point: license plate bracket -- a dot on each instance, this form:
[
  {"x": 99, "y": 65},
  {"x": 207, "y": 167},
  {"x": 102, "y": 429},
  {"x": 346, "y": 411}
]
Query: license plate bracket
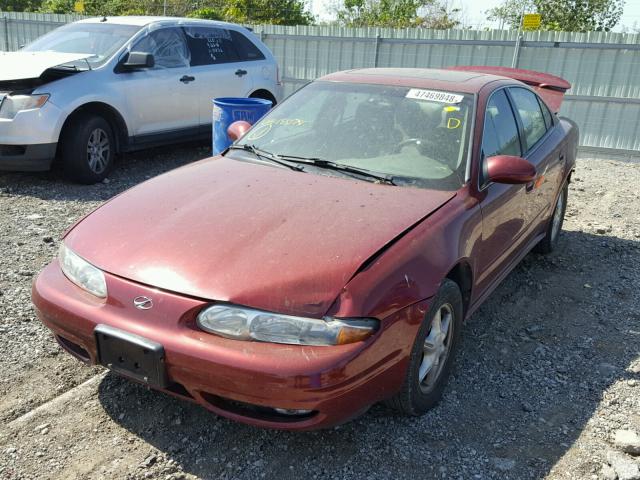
[{"x": 131, "y": 355}]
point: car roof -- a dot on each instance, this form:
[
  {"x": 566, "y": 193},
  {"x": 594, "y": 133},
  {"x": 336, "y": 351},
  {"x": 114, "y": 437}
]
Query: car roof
[
  {"x": 440, "y": 79},
  {"x": 142, "y": 21}
]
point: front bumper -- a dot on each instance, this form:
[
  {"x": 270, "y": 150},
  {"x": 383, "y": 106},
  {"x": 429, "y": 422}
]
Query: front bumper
[
  {"x": 28, "y": 141},
  {"x": 27, "y": 158},
  {"x": 244, "y": 381}
]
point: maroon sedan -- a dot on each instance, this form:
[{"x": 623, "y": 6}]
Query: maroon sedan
[{"x": 327, "y": 260}]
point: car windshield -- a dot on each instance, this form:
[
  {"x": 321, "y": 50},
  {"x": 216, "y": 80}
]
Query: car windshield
[
  {"x": 417, "y": 137},
  {"x": 100, "y": 40}
]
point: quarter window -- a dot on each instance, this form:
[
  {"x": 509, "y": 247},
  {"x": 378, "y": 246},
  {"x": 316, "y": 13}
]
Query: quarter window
[
  {"x": 247, "y": 50},
  {"x": 526, "y": 103},
  {"x": 548, "y": 118},
  {"x": 210, "y": 46}
]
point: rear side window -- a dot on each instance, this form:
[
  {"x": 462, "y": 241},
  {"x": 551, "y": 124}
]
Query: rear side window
[
  {"x": 528, "y": 108},
  {"x": 247, "y": 50},
  {"x": 548, "y": 118},
  {"x": 210, "y": 46}
]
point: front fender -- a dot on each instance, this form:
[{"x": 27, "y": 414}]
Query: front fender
[
  {"x": 71, "y": 93},
  {"x": 412, "y": 269}
]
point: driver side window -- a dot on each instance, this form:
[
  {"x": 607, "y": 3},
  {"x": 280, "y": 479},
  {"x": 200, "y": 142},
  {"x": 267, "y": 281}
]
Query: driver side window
[
  {"x": 168, "y": 47},
  {"x": 500, "y": 136}
]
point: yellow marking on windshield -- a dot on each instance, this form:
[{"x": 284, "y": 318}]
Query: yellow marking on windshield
[
  {"x": 453, "y": 123},
  {"x": 260, "y": 132}
]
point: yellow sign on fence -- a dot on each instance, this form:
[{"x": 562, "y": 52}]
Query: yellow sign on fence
[
  {"x": 531, "y": 21},
  {"x": 78, "y": 6}
]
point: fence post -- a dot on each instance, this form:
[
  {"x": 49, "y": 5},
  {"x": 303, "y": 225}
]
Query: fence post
[
  {"x": 5, "y": 21},
  {"x": 516, "y": 52},
  {"x": 376, "y": 51}
]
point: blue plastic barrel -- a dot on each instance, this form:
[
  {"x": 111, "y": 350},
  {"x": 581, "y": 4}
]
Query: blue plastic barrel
[{"x": 229, "y": 110}]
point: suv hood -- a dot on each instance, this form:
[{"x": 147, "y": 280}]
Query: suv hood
[
  {"x": 250, "y": 234},
  {"x": 29, "y": 65}
]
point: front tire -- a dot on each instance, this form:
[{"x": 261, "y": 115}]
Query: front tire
[
  {"x": 432, "y": 354},
  {"x": 550, "y": 241},
  {"x": 88, "y": 149}
]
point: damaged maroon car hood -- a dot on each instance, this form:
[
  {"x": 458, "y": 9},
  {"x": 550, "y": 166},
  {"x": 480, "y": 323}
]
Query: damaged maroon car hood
[{"x": 255, "y": 235}]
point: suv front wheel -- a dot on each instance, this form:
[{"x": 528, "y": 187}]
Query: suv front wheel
[{"x": 88, "y": 149}]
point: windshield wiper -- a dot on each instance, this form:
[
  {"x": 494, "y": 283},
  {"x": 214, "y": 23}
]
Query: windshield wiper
[
  {"x": 263, "y": 154},
  {"x": 329, "y": 165}
]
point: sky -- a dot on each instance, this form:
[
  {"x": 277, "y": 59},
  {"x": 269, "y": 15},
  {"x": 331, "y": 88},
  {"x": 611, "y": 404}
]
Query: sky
[{"x": 473, "y": 11}]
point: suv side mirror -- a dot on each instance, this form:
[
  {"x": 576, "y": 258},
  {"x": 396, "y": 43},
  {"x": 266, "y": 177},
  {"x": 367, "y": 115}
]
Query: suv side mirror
[
  {"x": 509, "y": 169},
  {"x": 138, "y": 60}
]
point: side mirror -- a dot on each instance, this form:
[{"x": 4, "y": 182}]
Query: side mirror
[
  {"x": 138, "y": 60},
  {"x": 509, "y": 169},
  {"x": 237, "y": 130}
]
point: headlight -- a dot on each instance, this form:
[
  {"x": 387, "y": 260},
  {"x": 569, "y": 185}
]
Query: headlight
[
  {"x": 82, "y": 273},
  {"x": 12, "y": 104},
  {"x": 247, "y": 324}
]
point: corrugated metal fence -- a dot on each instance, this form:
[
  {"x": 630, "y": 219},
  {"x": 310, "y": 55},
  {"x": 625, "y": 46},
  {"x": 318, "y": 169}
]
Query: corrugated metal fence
[
  {"x": 604, "y": 68},
  {"x": 18, "y": 28}
]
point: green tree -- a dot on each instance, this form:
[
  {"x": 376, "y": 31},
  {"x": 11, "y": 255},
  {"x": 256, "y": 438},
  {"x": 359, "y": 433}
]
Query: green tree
[
  {"x": 580, "y": 15},
  {"x": 207, "y": 13},
  {"x": 566, "y": 15},
  {"x": 20, "y": 5},
  {"x": 439, "y": 16},
  {"x": 397, "y": 13},
  {"x": 104, "y": 7},
  {"x": 509, "y": 13},
  {"x": 276, "y": 12}
]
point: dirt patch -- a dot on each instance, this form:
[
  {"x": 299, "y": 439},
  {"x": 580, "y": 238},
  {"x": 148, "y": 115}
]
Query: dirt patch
[{"x": 548, "y": 371}]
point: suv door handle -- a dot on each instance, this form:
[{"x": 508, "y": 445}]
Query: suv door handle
[
  {"x": 241, "y": 72},
  {"x": 187, "y": 79}
]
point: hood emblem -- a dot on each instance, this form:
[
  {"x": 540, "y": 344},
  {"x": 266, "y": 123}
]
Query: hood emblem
[{"x": 142, "y": 303}]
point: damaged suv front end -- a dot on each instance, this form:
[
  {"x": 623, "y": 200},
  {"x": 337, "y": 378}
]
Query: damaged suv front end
[{"x": 27, "y": 140}]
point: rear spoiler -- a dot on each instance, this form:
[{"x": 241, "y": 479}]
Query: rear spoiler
[{"x": 549, "y": 87}]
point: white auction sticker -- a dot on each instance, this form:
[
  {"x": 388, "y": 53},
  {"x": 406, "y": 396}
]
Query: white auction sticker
[{"x": 434, "y": 96}]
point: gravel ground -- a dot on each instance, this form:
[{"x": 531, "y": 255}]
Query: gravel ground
[{"x": 547, "y": 382}]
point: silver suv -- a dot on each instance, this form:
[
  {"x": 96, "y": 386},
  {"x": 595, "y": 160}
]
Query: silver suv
[{"x": 94, "y": 88}]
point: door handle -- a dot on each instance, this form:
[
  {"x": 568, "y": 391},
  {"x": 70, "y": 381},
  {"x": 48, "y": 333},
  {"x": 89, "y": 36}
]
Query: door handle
[
  {"x": 187, "y": 79},
  {"x": 241, "y": 72}
]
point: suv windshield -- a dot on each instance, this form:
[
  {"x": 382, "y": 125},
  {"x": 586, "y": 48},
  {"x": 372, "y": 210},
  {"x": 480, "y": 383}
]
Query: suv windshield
[
  {"x": 100, "y": 40},
  {"x": 417, "y": 137}
]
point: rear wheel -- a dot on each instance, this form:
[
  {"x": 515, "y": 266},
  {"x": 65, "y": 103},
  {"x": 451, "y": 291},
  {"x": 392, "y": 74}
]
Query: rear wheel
[
  {"x": 550, "y": 241},
  {"x": 264, "y": 95},
  {"x": 432, "y": 354},
  {"x": 88, "y": 149}
]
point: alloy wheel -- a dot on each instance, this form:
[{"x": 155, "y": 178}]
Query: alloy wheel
[
  {"x": 98, "y": 150},
  {"x": 557, "y": 217},
  {"x": 436, "y": 348}
]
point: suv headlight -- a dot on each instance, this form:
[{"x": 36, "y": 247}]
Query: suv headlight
[
  {"x": 12, "y": 104},
  {"x": 247, "y": 324},
  {"x": 81, "y": 272}
]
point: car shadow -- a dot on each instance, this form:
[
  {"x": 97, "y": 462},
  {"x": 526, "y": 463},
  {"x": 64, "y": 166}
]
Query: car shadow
[
  {"x": 129, "y": 170},
  {"x": 534, "y": 364}
]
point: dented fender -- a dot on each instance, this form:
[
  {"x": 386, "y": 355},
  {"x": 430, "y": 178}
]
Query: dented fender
[{"x": 412, "y": 269}]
